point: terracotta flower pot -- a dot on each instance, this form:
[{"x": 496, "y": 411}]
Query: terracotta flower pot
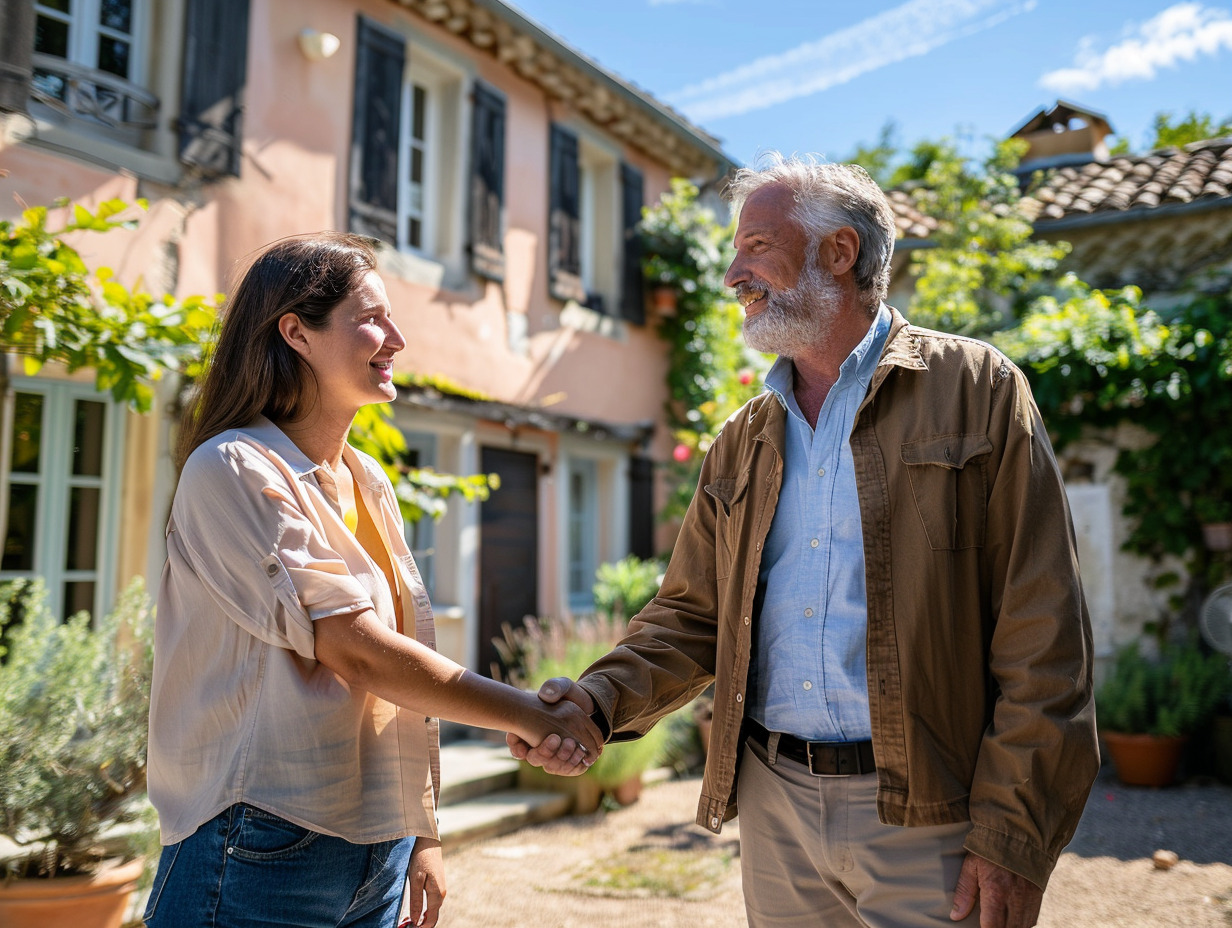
[
  {"x": 629, "y": 791},
  {"x": 95, "y": 901},
  {"x": 1217, "y": 536},
  {"x": 665, "y": 300},
  {"x": 1145, "y": 760}
]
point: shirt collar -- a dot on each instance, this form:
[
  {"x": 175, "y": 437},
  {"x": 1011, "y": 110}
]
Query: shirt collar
[
  {"x": 861, "y": 363},
  {"x": 274, "y": 438}
]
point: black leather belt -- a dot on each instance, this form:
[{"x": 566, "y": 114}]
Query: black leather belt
[{"x": 823, "y": 758}]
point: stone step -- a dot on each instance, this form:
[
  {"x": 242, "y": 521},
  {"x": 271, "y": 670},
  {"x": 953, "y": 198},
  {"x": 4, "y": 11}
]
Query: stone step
[
  {"x": 474, "y": 767},
  {"x": 498, "y": 814}
]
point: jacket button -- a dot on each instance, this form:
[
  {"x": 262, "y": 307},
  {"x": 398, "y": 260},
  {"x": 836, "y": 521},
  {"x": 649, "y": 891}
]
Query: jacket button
[
  {"x": 714, "y": 821},
  {"x": 746, "y": 620},
  {"x": 739, "y": 697},
  {"x": 271, "y": 569}
]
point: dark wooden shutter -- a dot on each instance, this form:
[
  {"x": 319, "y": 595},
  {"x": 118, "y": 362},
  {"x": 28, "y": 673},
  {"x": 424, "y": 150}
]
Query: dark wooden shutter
[
  {"x": 632, "y": 288},
  {"x": 16, "y": 47},
  {"x": 564, "y": 225},
  {"x": 641, "y": 507},
  {"x": 215, "y": 73},
  {"x": 380, "y": 60},
  {"x": 487, "y": 183}
]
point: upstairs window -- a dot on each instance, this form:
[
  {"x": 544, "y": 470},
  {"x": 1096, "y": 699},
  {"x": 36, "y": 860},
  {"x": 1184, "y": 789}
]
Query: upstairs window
[{"x": 88, "y": 61}]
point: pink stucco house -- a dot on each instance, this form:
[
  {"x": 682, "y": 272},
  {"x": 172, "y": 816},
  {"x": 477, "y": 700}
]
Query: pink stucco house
[{"x": 502, "y": 169}]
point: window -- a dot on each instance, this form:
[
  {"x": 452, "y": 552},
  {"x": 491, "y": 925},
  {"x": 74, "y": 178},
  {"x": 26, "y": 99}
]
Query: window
[
  {"x": 407, "y": 185},
  {"x": 88, "y": 62},
  {"x": 583, "y": 533},
  {"x": 60, "y": 492},
  {"x": 594, "y": 255}
]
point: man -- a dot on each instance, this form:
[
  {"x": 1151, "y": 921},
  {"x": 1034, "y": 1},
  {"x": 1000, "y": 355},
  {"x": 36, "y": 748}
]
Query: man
[{"x": 878, "y": 572}]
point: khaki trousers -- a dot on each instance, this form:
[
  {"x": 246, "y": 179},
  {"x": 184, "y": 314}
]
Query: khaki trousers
[{"x": 813, "y": 853}]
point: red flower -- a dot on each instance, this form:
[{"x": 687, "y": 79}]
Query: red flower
[
  {"x": 682, "y": 453},
  {"x": 746, "y": 376}
]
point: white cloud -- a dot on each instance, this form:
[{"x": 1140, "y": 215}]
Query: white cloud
[
  {"x": 1179, "y": 34},
  {"x": 907, "y": 31}
]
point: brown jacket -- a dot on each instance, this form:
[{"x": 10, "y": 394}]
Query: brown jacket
[{"x": 976, "y": 619}]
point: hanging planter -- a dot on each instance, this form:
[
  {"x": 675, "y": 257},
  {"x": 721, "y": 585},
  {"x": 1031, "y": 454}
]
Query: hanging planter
[
  {"x": 664, "y": 299},
  {"x": 1217, "y": 536}
]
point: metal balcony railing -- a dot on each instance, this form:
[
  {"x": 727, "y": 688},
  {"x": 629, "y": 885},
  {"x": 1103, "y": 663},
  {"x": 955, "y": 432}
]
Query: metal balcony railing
[{"x": 87, "y": 93}]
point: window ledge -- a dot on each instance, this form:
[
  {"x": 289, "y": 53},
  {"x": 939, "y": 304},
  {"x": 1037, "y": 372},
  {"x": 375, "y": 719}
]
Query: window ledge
[
  {"x": 576, "y": 316},
  {"x": 100, "y": 152},
  {"x": 427, "y": 272}
]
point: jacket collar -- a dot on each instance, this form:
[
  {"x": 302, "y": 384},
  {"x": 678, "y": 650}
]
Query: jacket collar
[{"x": 902, "y": 347}]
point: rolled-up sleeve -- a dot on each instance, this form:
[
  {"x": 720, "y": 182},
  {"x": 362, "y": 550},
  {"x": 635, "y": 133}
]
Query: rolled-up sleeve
[{"x": 246, "y": 531}]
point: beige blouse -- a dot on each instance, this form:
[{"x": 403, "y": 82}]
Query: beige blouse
[{"x": 240, "y": 710}]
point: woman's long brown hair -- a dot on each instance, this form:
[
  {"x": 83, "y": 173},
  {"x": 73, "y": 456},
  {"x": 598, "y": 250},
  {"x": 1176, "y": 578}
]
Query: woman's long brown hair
[{"x": 252, "y": 370}]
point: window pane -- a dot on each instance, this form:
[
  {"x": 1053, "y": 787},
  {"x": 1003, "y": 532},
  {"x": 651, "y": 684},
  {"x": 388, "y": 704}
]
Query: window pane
[
  {"x": 117, "y": 15},
  {"x": 51, "y": 84},
  {"x": 417, "y": 165},
  {"x": 19, "y": 536},
  {"x": 82, "y": 549},
  {"x": 78, "y": 597},
  {"x": 91, "y": 416},
  {"x": 419, "y": 98},
  {"x": 27, "y": 432},
  {"x": 415, "y": 234},
  {"x": 113, "y": 56},
  {"x": 51, "y": 37},
  {"x": 62, "y": 5}
]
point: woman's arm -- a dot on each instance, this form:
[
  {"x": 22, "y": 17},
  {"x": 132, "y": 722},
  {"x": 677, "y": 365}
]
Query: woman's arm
[{"x": 368, "y": 654}]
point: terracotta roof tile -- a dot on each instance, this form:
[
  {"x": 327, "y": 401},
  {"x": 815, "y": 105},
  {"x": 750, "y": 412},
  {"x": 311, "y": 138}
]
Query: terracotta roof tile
[{"x": 1201, "y": 171}]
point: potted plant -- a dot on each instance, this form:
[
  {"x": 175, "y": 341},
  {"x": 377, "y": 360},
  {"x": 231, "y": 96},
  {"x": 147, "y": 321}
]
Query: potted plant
[
  {"x": 1149, "y": 706},
  {"x": 73, "y": 719},
  {"x": 546, "y": 649},
  {"x": 1214, "y": 514}
]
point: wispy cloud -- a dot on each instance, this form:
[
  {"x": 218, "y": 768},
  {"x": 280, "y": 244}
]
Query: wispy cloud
[
  {"x": 1180, "y": 33},
  {"x": 907, "y": 31}
]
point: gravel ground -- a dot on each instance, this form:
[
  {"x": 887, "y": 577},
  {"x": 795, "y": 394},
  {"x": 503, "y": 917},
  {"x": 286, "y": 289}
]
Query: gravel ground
[{"x": 553, "y": 875}]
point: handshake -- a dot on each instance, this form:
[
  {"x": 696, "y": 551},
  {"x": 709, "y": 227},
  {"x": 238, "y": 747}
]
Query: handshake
[{"x": 563, "y": 756}]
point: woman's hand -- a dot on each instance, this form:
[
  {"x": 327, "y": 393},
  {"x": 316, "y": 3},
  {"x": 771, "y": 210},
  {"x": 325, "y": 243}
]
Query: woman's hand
[
  {"x": 561, "y": 729},
  {"x": 426, "y": 875}
]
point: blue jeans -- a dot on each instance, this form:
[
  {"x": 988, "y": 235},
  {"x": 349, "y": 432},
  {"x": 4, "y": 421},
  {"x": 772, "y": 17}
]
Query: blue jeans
[{"x": 247, "y": 867}]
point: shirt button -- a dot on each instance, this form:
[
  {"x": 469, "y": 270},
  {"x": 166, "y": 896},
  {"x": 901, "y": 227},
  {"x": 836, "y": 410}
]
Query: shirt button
[
  {"x": 808, "y": 684},
  {"x": 808, "y": 612},
  {"x": 271, "y": 569},
  {"x": 814, "y": 543},
  {"x": 821, "y": 472}
]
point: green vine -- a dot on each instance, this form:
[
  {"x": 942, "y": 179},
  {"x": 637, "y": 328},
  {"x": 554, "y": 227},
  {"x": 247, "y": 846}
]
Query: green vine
[{"x": 711, "y": 373}]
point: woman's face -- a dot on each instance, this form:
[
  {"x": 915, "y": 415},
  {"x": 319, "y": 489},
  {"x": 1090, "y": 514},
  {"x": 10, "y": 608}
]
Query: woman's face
[{"x": 352, "y": 357}]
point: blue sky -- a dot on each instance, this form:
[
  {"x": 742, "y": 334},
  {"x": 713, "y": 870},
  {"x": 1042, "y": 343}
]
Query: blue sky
[{"x": 821, "y": 76}]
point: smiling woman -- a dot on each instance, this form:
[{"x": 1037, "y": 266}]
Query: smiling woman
[{"x": 293, "y": 732}]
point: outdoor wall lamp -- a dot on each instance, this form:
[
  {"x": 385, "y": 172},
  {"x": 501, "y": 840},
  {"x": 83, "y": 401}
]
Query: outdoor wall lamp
[{"x": 317, "y": 45}]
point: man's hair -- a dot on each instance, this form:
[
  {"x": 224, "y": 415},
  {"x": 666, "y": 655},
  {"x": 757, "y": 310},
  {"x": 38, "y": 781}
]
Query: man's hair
[{"x": 829, "y": 196}]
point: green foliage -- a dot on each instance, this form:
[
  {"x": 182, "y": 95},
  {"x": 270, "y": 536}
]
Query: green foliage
[
  {"x": 622, "y": 589},
  {"x": 1175, "y": 693},
  {"x": 1177, "y": 131},
  {"x": 711, "y": 373},
  {"x": 1102, "y": 358},
  {"x": 541, "y": 649},
  {"x": 421, "y": 491},
  {"x": 985, "y": 269},
  {"x": 53, "y": 309},
  {"x": 74, "y": 709}
]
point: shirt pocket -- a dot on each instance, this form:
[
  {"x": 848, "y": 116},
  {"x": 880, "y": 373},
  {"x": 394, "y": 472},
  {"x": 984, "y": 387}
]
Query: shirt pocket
[
  {"x": 729, "y": 494},
  {"x": 949, "y": 483}
]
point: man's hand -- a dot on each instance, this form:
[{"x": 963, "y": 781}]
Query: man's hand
[
  {"x": 427, "y": 878},
  {"x": 1006, "y": 899},
  {"x": 552, "y": 754}
]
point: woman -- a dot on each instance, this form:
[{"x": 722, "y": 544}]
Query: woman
[{"x": 293, "y": 742}]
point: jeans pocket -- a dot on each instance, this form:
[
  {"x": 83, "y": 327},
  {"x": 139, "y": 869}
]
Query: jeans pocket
[
  {"x": 166, "y": 860},
  {"x": 261, "y": 835}
]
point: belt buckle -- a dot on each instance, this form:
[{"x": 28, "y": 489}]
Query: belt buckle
[{"x": 833, "y": 748}]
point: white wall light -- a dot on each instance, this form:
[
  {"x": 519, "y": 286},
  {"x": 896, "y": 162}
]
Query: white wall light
[{"x": 317, "y": 45}]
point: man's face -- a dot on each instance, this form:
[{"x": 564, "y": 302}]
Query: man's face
[{"x": 789, "y": 300}]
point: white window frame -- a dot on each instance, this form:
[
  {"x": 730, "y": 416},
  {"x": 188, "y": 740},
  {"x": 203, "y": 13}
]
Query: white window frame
[
  {"x": 582, "y": 534},
  {"x": 446, "y": 131},
  {"x": 421, "y": 536},
  {"x": 599, "y": 220},
  {"x": 84, "y": 30},
  {"x": 56, "y": 483}
]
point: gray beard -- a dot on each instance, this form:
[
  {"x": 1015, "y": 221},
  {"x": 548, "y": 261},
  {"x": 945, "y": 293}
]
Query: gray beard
[{"x": 797, "y": 319}]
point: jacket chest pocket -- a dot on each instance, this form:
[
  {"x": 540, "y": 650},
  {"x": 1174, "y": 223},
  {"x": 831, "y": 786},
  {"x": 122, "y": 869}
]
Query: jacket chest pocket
[
  {"x": 728, "y": 494},
  {"x": 950, "y": 486}
]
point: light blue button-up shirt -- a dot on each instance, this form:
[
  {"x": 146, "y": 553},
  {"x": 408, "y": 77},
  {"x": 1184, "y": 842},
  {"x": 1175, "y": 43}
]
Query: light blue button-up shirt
[{"x": 809, "y": 671}]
